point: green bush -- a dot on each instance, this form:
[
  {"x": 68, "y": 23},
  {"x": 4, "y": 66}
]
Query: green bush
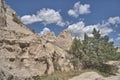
[
  {"x": 58, "y": 75},
  {"x": 16, "y": 19},
  {"x": 56, "y": 66},
  {"x": 52, "y": 78},
  {"x": 107, "y": 70},
  {"x": 116, "y": 56},
  {"x": 75, "y": 63}
]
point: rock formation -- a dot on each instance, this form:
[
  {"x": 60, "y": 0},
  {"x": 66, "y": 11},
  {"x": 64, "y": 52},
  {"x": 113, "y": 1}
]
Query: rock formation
[
  {"x": 64, "y": 40},
  {"x": 24, "y": 54}
]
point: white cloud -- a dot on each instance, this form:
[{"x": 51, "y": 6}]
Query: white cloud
[
  {"x": 111, "y": 40},
  {"x": 78, "y": 29},
  {"x": 104, "y": 29},
  {"x": 46, "y": 16},
  {"x": 114, "y": 20},
  {"x": 118, "y": 37},
  {"x": 73, "y": 13},
  {"x": 118, "y": 34},
  {"x": 28, "y": 19},
  {"x": 44, "y": 31},
  {"x": 79, "y": 9}
]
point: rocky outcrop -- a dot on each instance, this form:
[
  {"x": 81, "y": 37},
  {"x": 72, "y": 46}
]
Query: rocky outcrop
[
  {"x": 32, "y": 58},
  {"x": 95, "y": 76},
  {"x": 88, "y": 76},
  {"x": 64, "y": 40},
  {"x": 23, "y": 52}
]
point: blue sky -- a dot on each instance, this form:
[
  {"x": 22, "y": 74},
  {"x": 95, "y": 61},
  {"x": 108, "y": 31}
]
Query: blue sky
[{"x": 79, "y": 16}]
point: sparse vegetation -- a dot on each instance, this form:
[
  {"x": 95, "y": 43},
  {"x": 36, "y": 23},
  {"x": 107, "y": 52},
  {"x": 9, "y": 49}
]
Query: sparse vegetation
[
  {"x": 107, "y": 70},
  {"x": 56, "y": 66},
  {"x": 116, "y": 56},
  {"x": 60, "y": 75},
  {"x": 16, "y": 19}
]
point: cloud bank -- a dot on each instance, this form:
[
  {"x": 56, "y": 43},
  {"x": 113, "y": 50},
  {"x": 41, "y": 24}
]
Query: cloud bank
[
  {"x": 44, "y": 31},
  {"x": 78, "y": 29},
  {"x": 114, "y": 20}
]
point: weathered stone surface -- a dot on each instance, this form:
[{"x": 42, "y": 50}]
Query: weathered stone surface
[
  {"x": 88, "y": 76},
  {"x": 64, "y": 40},
  {"x": 23, "y": 52}
]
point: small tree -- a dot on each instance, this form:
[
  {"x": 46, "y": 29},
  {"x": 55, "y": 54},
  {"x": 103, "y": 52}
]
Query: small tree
[
  {"x": 75, "y": 47},
  {"x": 77, "y": 52},
  {"x": 16, "y": 19}
]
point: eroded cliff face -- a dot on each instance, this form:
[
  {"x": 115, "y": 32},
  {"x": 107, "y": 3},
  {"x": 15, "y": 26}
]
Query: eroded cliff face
[{"x": 24, "y": 54}]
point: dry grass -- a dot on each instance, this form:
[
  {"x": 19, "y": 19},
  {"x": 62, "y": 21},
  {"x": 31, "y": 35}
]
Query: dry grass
[{"x": 62, "y": 75}]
